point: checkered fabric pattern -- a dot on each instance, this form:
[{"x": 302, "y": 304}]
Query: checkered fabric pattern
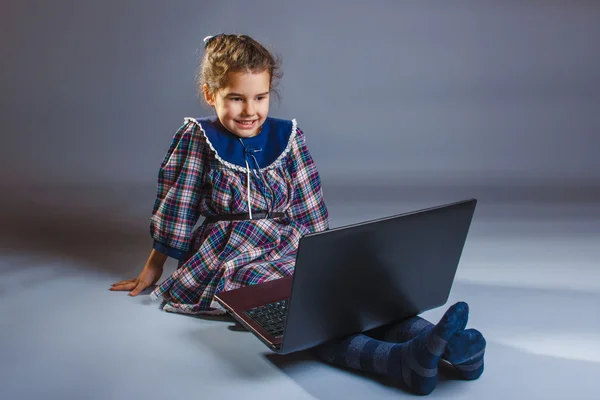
[{"x": 226, "y": 255}]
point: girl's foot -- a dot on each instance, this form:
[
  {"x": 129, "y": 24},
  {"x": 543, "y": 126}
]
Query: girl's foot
[
  {"x": 465, "y": 352},
  {"x": 418, "y": 358}
]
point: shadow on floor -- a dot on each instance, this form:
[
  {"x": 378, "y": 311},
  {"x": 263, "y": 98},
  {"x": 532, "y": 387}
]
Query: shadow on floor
[{"x": 96, "y": 233}]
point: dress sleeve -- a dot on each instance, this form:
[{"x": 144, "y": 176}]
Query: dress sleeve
[
  {"x": 308, "y": 205},
  {"x": 180, "y": 184}
]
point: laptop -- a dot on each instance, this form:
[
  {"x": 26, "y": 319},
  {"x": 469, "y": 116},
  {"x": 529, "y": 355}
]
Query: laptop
[{"x": 356, "y": 278}]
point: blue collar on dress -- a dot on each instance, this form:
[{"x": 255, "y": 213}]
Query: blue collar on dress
[{"x": 266, "y": 147}]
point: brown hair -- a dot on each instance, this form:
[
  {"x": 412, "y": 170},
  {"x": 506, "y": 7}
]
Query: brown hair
[{"x": 234, "y": 53}]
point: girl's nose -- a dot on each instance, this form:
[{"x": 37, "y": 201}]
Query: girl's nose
[{"x": 249, "y": 109}]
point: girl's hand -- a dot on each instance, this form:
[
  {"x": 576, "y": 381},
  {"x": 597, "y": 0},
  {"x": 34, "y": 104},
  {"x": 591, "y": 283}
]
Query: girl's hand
[{"x": 148, "y": 277}]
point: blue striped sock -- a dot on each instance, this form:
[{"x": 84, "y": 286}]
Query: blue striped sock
[
  {"x": 414, "y": 362},
  {"x": 465, "y": 350}
]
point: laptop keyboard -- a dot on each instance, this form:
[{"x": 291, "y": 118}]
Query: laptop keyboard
[{"x": 271, "y": 317}]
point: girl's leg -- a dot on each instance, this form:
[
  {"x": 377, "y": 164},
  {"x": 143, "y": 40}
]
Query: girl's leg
[
  {"x": 465, "y": 350},
  {"x": 414, "y": 362}
]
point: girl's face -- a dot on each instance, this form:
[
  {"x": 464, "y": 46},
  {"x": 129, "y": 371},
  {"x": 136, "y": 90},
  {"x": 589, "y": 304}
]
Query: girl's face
[{"x": 243, "y": 104}]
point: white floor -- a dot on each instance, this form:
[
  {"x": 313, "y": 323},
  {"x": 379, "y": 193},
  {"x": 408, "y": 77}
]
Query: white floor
[{"x": 529, "y": 273}]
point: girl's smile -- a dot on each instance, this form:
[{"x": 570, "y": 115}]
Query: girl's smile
[{"x": 246, "y": 124}]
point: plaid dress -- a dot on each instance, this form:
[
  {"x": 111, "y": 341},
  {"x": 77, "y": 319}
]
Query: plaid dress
[{"x": 205, "y": 173}]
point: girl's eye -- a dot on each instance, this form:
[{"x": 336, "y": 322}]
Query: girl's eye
[
  {"x": 261, "y": 97},
  {"x": 236, "y": 98}
]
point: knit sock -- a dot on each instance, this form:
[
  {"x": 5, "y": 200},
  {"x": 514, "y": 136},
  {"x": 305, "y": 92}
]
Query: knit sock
[
  {"x": 414, "y": 362},
  {"x": 465, "y": 350}
]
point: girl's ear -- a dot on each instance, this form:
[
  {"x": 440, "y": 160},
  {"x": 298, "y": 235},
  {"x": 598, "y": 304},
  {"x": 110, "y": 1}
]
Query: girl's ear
[{"x": 208, "y": 95}]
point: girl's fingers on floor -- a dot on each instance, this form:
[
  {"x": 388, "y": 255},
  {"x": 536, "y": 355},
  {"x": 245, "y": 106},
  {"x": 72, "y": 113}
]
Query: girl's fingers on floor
[{"x": 124, "y": 286}]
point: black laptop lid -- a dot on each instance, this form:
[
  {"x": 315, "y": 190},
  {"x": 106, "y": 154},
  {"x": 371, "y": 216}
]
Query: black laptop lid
[{"x": 359, "y": 277}]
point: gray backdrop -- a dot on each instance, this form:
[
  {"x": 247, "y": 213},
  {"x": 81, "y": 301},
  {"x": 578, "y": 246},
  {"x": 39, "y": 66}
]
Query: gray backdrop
[{"x": 463, "y": 93}]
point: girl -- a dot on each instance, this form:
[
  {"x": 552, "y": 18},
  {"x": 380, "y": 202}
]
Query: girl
[{"x": 253, "y": 179}]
